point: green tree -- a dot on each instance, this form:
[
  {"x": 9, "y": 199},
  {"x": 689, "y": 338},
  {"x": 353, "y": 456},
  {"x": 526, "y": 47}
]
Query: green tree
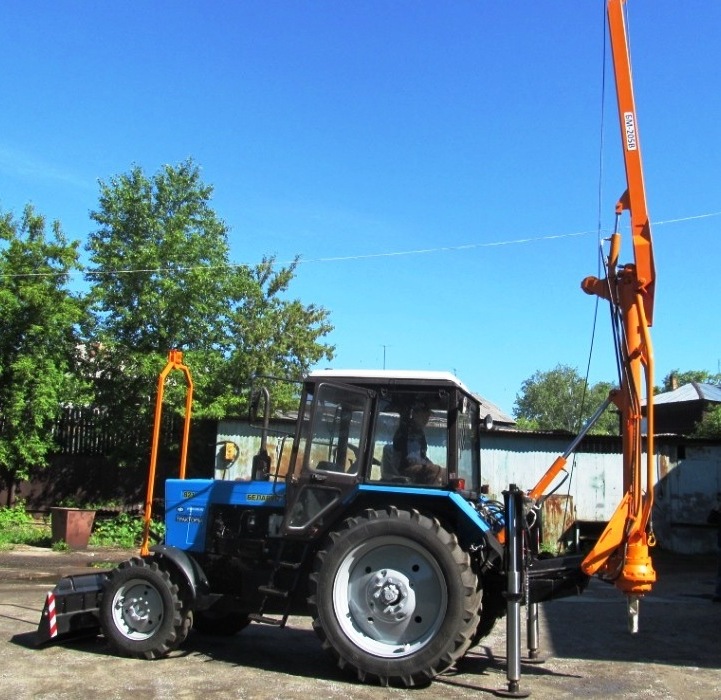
[
  {"x": 39, "y": 342},
  {"x": 559, "y": 399},
  {"x": 675, "y": 379},
  {"x": 161, "y": 278},
  {"x": 270, "y": 336},
  {"x": 710, "y": 424}
]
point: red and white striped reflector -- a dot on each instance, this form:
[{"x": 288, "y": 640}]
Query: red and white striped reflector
[{"x": 52, "y": 618}]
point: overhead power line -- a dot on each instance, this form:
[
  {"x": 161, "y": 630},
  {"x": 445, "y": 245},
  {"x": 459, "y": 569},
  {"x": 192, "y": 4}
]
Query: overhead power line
[{"x": 343, "y": 258}]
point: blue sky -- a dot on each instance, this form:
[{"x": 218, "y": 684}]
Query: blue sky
[{"x": 442, "y": 168}]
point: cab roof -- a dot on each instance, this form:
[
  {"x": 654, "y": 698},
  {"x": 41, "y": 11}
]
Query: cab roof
[{"x": 388, "y": 376}]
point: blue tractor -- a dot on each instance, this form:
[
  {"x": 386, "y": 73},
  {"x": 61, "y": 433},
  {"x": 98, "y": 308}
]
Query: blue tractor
[{"x": 370, "y": 519}]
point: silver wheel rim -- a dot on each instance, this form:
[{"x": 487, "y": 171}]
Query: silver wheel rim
[
  {"x": 390, "y": 597},
  {"x": 137, "y": 609}
]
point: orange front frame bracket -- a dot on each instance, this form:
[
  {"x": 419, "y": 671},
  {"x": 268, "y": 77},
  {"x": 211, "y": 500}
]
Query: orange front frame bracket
[{"x": 175, "y": 362}]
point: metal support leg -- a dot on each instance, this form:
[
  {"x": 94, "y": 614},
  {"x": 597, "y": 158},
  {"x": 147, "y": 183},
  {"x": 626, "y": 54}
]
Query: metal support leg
[
  {"x": 514, "y": 592},
  {"x": 532, "y": 630},
  {"x": 532, "y": 635}
]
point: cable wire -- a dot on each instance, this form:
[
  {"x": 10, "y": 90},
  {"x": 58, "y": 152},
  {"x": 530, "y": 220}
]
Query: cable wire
[
  {"x": 348, "y": 258},
  {"x": 600, "y": 265}
]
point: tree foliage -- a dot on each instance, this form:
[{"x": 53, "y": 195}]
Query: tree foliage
[
  {"x": 270, "y": 336},
  {"x": 675, "y": 379},
  {"x": 159, "y": 274},
  {"x": 710, "y": 424},
  {"x": 559, "y": 399},
  {"x": 40, "y": 318},
  {"x": 161, "y": 278}
]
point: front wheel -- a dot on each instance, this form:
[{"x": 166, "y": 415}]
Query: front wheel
[
  {"x": 394, "y": 597},
  {"x": 141, "y": 611}
]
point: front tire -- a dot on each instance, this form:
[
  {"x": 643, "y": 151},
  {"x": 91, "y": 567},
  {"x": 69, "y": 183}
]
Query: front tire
[
  {"x": 394, "y": 597},
  {"x": 141, "y": 611}
]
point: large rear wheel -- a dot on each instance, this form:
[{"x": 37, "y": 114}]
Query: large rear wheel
[
  {"x": 141, "y": 612},
  {"x": 394, "y": 597}
]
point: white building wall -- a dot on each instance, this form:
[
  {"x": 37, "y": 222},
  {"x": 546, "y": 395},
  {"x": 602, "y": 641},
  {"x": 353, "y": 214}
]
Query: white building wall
[
  {"x": 245, "y": 439},
  {"x": 594, "y": 480},
  {"x": 687, "y": 483},
  {"x": 688, "y": 486}
]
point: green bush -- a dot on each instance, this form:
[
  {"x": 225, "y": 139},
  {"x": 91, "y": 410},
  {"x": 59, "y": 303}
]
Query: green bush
[
  {"x": 17, "y": 526},
  {"x": 124, "y": 530}
]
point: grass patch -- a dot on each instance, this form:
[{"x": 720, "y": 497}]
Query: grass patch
[{"x": 17, "y": 526}]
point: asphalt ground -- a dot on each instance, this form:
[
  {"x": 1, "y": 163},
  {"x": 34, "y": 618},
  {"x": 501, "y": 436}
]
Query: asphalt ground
[{"x": 585, "y": 646}]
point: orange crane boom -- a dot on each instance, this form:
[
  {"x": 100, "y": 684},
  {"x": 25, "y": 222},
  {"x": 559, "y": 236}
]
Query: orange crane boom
[{"x": 621, "y": 554}]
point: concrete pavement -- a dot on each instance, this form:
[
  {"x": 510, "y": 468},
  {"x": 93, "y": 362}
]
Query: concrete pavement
[{"x": 584, "y": 641}]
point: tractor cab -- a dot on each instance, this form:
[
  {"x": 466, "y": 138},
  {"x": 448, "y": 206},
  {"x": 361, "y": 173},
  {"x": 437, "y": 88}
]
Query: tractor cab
[{"x": 390, "y": 429}]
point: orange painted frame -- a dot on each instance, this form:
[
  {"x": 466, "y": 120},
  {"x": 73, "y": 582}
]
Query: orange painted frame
[
  {"x": 621, "y": 552},
  {"x": 175, "y": 362}
]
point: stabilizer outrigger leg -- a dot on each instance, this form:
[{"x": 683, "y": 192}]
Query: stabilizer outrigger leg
[
  {"x": 516, "y": 575},
  {"x": 532, "y": 635}
]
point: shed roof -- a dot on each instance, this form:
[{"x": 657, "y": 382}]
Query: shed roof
[
  {"x": 694, "y": 391},
  {"x": 489, "y": 408}
]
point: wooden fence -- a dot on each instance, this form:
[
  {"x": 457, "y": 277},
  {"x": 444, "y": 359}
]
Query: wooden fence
[
  {"x": 87, "y": 465},
  {"x": 83, "y": 431}
]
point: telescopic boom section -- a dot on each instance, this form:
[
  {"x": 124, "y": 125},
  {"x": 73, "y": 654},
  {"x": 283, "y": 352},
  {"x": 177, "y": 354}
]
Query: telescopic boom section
[
  {"x": 621, "y": 553},
  {"x": 634, "y": 199}
]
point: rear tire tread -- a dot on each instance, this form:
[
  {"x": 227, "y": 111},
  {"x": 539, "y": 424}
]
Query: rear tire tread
[{"x": 406, "y": 671}]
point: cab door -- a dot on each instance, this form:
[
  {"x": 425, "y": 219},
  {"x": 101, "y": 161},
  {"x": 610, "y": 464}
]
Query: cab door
[{"x": 332, "y": 445}]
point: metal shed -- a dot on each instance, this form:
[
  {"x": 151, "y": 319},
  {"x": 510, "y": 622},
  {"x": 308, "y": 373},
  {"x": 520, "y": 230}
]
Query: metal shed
[
  {"x": 688, "y": 475},
  {"x": 688, "y": 480}
]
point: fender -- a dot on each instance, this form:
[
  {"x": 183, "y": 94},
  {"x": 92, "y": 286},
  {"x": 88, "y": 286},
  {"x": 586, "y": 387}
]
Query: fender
[{"x": 191, "y": 571}]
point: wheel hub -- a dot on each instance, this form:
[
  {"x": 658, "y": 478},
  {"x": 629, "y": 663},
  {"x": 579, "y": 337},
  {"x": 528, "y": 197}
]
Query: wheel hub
[
  {"x": 390, "y": 596},
  {"x": 138, "y": 610},
  {"x": 389, "y": 612},
  {"x": 137, "y": 613}
]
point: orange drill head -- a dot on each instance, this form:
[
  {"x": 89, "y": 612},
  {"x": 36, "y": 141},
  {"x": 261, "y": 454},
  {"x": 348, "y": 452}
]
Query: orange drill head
[{"x": 638, "y": 575}]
